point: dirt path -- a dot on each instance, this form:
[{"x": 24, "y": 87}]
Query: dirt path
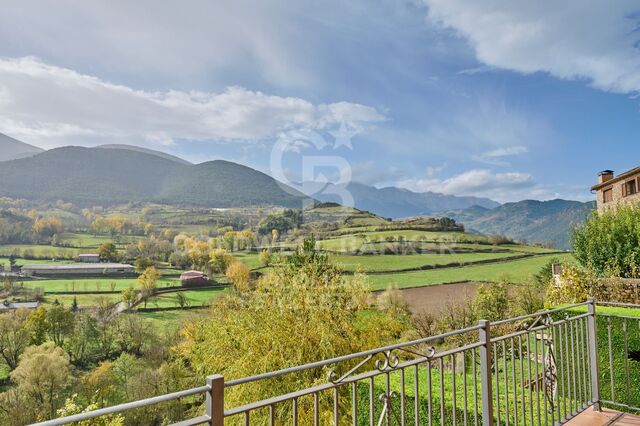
[{"x": 434, "y": 298}]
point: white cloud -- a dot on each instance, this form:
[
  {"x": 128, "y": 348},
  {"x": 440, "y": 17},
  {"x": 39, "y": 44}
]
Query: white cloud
[
  {"x": 574, "y": 39},
  {"x": 53, "y": 106},
  {"x": 478, "y": 182},
  {"x": 496, "y": 156}
]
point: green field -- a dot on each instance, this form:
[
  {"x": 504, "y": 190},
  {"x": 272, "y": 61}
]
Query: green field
[
  {"x": 94, "y": 284},
  {"x": 84, "y": 300},
  {"x": 252, "y": 260},
  {"x": 85, "y": 240},
  {"x": 40, "y": 251},
  {"x": 170, "y": 319},
  {"x": 517, "y": 271},
  {"x": 373, "y": 263},
  {"x": 355, "y": 242},
  {"x": 195, "y": 297}
]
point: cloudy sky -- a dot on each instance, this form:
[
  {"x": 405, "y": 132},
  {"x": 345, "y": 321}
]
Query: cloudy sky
[{"x": 505, "y": 99}]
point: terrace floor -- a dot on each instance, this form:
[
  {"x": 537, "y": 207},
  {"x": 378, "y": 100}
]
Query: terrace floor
[{"x": 590, "y": 417}]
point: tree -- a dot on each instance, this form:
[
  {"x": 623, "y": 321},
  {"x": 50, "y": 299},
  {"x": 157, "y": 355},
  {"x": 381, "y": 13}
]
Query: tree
[
  {"x": 239, "y": 275},
  {"x": 15, "y": 336},
  {"x": 142, "y": 263},
  {"x": 82, "y": 344},
  {"x": 129, "y": 297},
  {"x": 108, "y": 252},
  {"x": 219, "y": 260},
  {"x": 296, "y": 314},
  {"x": 71, "y": 407},
  {"x": 47, "y": 227},
  {"x": 124, "y": 369},
  {"x": 492, "y": 301},
  {"x": 60, "y": 324},
  {"x": 609, "y": 243},
  {"x": 148, "y": 282},
  {"x": 181, "y": 300},
  {"x": 37, "y": 325},
  {"x": 43, "y": 374}
]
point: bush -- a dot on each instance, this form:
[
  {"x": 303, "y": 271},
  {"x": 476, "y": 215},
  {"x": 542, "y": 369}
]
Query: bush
[
  {"x": 609, "y": 243},
  {"x": 492, "y": 301}
]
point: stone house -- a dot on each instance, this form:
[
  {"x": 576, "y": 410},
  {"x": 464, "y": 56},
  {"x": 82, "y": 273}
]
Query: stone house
[{"x": 612, "y": 191}]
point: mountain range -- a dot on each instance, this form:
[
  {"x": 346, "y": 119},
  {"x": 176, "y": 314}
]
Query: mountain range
[
  {"x": 548, "y": 222},
  {"x": 398, "y": 203},
  {"x": 117, "y": 175},
  {"x": 11, "y": 149},
  {"x": 111, "y": 174}
]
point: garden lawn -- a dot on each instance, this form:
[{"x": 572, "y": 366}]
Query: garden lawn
[{"x": 516, "y": 271}]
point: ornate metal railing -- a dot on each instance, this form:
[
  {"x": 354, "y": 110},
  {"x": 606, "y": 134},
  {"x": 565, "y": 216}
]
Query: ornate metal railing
[{"x": 534, "y": 369}]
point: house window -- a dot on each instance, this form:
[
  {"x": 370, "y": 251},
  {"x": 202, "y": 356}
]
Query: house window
[
  {"x": 607, "y": 195},
  {"x": 629, "y": 188}
]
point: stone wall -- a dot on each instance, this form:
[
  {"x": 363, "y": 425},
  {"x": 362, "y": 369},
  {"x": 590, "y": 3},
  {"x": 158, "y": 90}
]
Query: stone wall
[{"x": 618, "y": 198}]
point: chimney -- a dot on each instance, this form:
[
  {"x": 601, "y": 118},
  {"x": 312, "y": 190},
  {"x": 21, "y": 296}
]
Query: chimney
[{"x": 605, "y": 175}]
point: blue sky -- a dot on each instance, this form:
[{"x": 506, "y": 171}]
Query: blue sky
[{"x": 504, "y": 99}]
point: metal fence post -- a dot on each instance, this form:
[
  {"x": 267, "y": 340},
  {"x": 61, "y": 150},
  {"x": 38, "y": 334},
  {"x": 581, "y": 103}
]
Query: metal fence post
[
  {"x": 593, "y": 354},
  {"x": 215, "y": 400},
  {"x": 485, "y": 373}
]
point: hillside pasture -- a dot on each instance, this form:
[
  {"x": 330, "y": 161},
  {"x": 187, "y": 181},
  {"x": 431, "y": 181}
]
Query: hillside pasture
[
  {"x": 380, "y": 263},
  {"x": 93, "y": 284},
  {"x": 516, "y": 271},
  {"x": 38, "y": 251}
]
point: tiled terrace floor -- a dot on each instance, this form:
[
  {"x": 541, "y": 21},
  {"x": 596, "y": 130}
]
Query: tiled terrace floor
[{"x": 590, "y": 417}]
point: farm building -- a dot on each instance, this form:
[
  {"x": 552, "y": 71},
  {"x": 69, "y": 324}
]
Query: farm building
[
  {"x": 192, "y": 278},
  {"x": 6, "y": 306},
  {"x": 77, "y": 269},
  {"x": 89, "y": 258}
]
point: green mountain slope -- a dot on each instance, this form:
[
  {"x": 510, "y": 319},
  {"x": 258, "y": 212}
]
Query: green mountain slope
[
  {"x": 534, "y": 221},
  {"x": 109, "y": 176},
  {"x": 231, "y": 184},
  {"x": 145, "y": 150},
  {"x": 11, "y": 149}
]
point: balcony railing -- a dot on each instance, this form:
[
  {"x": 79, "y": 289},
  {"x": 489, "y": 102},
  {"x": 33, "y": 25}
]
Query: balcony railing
[{"x": 540, "y": 369}]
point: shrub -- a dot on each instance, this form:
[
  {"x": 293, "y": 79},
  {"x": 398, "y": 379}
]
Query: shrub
[
  {"x": 492, "y": 301},
  {"x": 265, "y": 257},
  {"x": 609, "y": 243}
]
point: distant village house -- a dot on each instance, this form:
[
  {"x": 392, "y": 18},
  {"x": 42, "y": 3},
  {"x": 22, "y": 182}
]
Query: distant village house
[
  {"x": 193, "y": 278},
  {"x": 613, "y": 191}
]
